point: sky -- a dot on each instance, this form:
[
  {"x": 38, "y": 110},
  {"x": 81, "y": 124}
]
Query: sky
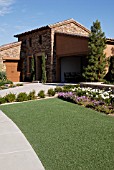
[{"x": 17, "y": 16}]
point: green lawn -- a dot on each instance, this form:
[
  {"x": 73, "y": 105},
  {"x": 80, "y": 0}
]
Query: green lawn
[{"x": 66, "y": 136}]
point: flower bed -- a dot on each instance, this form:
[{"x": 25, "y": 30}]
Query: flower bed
[{"x": 97, "y": 99}]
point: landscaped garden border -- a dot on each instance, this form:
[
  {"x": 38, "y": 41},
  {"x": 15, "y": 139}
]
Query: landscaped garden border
[{"x": 100, "y": 100}]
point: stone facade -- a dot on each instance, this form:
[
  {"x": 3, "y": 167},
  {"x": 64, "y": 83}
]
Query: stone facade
[
  {"x": 9, "y": 52},
  {"x": 31, "y": 45}
]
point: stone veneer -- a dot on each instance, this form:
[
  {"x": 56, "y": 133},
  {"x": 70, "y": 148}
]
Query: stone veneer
[
  {"x": 9, "y": 52},
  {"x": 47, "y": 46},
  {"x": 70, "y": 28},
  {"x": 36, "y": 49}
]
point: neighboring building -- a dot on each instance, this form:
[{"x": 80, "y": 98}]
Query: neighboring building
[
  {"x": 9, "y": 60},
  {"x": 65, "y": 45}
]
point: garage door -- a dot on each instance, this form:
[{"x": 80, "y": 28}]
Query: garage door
[
  {"x": 11, "y": 71},
  {"x": 70, "y": 65}
]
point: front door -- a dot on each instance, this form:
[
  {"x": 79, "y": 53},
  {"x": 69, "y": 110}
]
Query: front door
[{"x": 39, "y": 68}]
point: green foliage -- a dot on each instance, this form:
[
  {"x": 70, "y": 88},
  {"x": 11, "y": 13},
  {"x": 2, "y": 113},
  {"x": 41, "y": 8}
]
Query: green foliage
[
  {"x": 33, "y": 69},
  {"x": 96, "y": 60},
  {"x": 12, "y": 86},
  {"x": 3, "y": 76},
  {"x": 51, "y": 92},
  {"x": 19, "y": 84},
  {"x": 2, "y": 100},
  {"x": 70, "y": 86},
  {"x": 31, "y": 95},
  {"x": 58, "y": 89},
  {"x": 10, "y": 97},
  {"x": 3, "y": 82},
  {"x": 44, "y": 78},
  {"x": 22, "y": 97},
  {"x": 41, "y": 94}
]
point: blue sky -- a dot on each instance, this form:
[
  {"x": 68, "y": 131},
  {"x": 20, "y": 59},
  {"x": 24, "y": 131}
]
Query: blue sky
[{"x": 17, "y": 16}]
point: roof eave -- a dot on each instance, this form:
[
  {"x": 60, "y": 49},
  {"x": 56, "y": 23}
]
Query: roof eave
[{"x": 32, "y": 31}]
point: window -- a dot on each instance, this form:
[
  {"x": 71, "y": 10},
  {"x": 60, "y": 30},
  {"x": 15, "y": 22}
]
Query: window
[
  {"x": 30, "y": 42},
  {"x": 40, "y": 39}
]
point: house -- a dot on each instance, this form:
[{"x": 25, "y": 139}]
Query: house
[
  {"x": 9, "y": 60},
  {"x": 65, "y": 45}
]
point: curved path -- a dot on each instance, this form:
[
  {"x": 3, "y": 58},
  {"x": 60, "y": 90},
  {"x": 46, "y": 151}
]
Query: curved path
[
  {"x": 15, "y": 151},
  {"x": 27, "y": 87}
]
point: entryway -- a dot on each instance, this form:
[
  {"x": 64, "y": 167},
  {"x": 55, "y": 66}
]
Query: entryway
[{"x": 39, "y": 68}]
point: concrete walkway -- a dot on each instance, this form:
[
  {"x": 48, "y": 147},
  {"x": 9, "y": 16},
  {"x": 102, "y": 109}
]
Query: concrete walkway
[
  {"x": 27, "y": 87},
  {"x": 15, "y": 151}
]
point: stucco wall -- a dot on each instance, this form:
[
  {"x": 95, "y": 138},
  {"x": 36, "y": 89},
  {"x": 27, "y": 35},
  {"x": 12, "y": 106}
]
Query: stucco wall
[
  {"x": 109, "y": 50},
  {"x": 71, "y": 45}
]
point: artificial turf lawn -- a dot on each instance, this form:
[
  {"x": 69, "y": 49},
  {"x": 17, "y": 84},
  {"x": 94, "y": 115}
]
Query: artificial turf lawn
[{"x": 64, "y": 135}]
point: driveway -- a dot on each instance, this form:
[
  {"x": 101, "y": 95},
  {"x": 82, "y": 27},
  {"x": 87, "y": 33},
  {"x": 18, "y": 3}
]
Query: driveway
[{"x": 27, "y": 87}]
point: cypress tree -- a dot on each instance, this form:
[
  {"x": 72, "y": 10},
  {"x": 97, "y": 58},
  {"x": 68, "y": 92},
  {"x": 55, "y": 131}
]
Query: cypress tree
[
  {"x": 32, "y": 68},
  {"x": 96, "y": 60},
  {"x": 44, "y": 78}
]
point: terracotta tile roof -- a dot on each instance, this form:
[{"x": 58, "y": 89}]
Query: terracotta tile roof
[
  {"x": 53, "y": 26},
  {"x": 110, "y": 39},
  {"x": 57, "y": 25},
  {"x": 10, "y": 45}
]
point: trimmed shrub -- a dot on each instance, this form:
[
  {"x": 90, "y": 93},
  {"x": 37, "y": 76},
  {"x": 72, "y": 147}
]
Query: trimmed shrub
[
  {"x": 4, "y": 82},
  {"x": 22, "y": 97},
  {"x": 51, "y": 92},
  {"x": 19, "y": 84},
  {"x": 12, "y": 86},
  {"x": 58, "y": 89},
  {"x": 71, "y": 86},
  {"x": 3, "y": 75},
  {"x": 31, "y": 95},
  {"x": 41, "y": 94},
  {"x": 2, "y": 100},
  {"x": 10, "y": 97}
]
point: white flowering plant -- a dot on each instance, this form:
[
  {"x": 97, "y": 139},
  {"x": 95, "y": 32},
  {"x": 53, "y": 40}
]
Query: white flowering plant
[{"x": 97, "y": 99}]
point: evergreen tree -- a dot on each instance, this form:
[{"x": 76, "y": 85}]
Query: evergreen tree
[
  {"x": 44, "y": 78},
  {"x": 32, "y": 69},
  {"x": 96, "y": 60}
]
